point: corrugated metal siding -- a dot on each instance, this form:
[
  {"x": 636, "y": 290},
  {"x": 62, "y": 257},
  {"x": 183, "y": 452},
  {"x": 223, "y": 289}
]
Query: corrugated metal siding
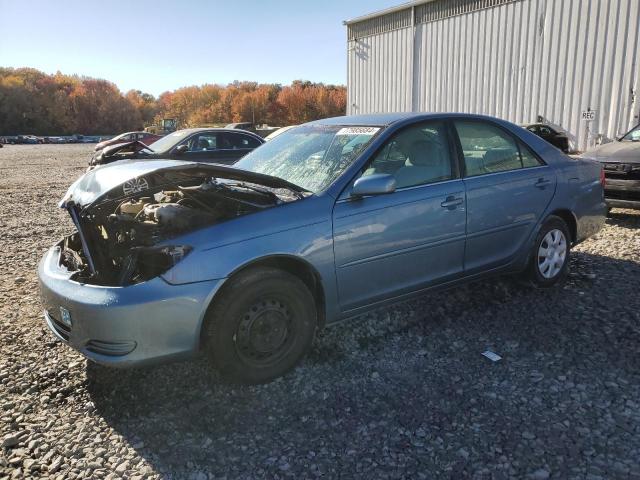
[
  {"x": 552, "y": 58},
  {"x": 439, "y": 9},
  {"x": 377, "y": 25},
  {"x": 381, "y": 68}
]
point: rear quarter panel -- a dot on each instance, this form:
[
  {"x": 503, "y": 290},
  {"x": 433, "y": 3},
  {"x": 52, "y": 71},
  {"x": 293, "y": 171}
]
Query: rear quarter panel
[
  {"x": 582, "y": 194},
  {"x": 578, "y": 184}
]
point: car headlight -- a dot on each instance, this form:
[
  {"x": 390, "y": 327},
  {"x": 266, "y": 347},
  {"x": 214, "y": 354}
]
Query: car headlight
[{"x": 148, "y": 263}]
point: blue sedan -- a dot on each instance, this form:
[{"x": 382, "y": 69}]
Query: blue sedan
[{"x": 326, "y": 221}]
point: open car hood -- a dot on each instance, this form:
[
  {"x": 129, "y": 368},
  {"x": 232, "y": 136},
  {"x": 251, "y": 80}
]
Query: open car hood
[
  {"x": 108, "y": 153},
  {"x": 110, "y": 150},
  {"x": 124, "y": 178}
]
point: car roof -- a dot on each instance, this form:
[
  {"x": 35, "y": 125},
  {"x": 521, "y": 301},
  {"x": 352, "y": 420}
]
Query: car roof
[
  {"x": 377, "y": 119},
  {"x": 205, "y": 129},
  {"x": 386, "y": 119}
]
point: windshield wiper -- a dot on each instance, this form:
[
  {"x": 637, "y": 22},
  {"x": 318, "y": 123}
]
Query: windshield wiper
[
  {"x": 299, "y": 192},
  {"x": 254, "y": 188}
]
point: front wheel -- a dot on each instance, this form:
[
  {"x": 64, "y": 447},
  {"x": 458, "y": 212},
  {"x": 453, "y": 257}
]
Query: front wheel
[
  {"x": 550, "y": 257},
  {"x": 261, "y": 326}
]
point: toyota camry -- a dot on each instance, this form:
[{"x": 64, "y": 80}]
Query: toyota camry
[{"x": 324, "y": 222}]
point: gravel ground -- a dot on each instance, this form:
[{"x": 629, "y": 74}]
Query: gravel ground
[{"x": 400, "y": 393}]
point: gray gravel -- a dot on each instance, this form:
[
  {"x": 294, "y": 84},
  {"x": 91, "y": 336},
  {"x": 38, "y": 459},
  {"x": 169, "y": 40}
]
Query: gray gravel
[{"x": 400, "y": 393}]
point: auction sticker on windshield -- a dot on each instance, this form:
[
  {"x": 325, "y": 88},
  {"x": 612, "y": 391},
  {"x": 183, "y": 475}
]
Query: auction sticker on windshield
[{"x": 357, "y": 131}]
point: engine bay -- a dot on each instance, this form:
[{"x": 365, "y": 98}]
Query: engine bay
[{"x": 117, "y": 239}]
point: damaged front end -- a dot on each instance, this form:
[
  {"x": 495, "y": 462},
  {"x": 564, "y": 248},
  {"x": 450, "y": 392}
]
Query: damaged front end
[
  {"x": 125, "y": 228},
  {"x": 119, "y": 151}
]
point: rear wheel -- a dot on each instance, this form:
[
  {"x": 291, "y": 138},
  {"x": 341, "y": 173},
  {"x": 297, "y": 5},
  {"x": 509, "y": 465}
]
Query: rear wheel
[
  {"x": 550, "y": 257},
  {"x": 261, "y": 326}
]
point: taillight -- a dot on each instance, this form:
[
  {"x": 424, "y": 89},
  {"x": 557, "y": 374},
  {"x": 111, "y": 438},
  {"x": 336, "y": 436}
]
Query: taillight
[{"x": 603, "y": 179}]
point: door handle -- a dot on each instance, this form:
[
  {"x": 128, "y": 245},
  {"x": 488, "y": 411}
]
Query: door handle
[
  {"x": 451, "y": 202},
  {"x": 542, "y": 183}
]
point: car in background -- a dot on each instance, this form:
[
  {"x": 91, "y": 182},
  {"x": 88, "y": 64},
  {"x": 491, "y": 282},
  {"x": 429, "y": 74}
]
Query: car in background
[
  {"x": 327, "y": 221},
  {"x": 554, "y": 134},
  {"x": 24, "y": 140},
  {"x": 143, "y": 137},
  {"x": 215, "y": 145},
  {"x": 248, "y": 126},
  {"x": 621, "y": 162}
]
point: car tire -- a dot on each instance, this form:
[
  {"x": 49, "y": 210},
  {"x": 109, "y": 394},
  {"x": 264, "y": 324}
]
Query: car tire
[
  {"x": 549, "y": 263},
  {"x": 261, "y": 326}
]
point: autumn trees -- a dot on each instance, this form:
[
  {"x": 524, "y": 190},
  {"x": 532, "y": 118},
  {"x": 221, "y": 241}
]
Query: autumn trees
[
  {"x": 32, "y": 102},
  {"x": 252, "y": 102}
]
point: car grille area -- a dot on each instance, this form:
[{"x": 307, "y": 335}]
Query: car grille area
[
  {"x": 623, "y": 195},
  {"x": 112, "y": 349},
  {"x": 627, "y": 171}
]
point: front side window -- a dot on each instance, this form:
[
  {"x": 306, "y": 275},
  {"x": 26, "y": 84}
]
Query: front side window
[
  {"x": 417, "y": 155},
  {"x": 489, "y": 149},
  {"x": 203, "y": 142}
]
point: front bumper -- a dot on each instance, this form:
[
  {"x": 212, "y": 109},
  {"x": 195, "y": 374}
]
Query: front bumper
[
  {"x": 123, "y": 326},
  {"x": 622, "y": 193}
]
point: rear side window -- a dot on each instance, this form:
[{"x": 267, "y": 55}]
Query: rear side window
[
  {"x": 528, "y": 157},
  {"x": 239, "y": 141},
  {"x": 488, "y": 149}
]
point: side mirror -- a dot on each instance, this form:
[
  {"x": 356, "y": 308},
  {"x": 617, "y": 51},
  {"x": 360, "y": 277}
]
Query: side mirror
[
  {"x": 180, "y": 149},
  {"x": 377, "y": 184}
]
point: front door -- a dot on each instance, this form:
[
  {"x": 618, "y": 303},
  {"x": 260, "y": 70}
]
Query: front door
[
  {"x": 388, "y": 245},
  {"x": 201, "y": 147}
]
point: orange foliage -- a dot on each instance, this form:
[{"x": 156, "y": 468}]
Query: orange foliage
[{"x": 32, "y": 102}]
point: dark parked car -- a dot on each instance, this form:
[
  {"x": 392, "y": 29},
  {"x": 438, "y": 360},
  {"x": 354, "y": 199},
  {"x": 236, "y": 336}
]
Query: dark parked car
[
  {"x": 215, "y": 145},
  {"x": 554, "y": 134},
  {"x": 326, "y": 221},
  {"x": 25, "y": 139},
  {"x": 248, "y": 126},
  {"x": 621, "y": 162},
  {"x": 144, "y": 137}
]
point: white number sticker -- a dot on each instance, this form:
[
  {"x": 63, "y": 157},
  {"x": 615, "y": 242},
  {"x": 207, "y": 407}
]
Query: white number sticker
[{"x": 358, "y": 131}]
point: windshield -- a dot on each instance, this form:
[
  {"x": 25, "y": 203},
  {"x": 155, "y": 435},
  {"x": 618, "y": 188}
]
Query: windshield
[
  {"x": 121, "y": 136},
  {"x": 168, "y": 141},
  {"x": 311, "y": 157},
  {"x": 633, "y": 135}
]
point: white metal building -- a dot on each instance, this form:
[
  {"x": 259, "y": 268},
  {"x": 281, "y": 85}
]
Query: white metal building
[{"x": 514, "y": 59}]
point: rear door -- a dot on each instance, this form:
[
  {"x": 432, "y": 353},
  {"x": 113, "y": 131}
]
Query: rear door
[
  {"x": 388, "y": 245},
  {"x": 234, "y": 146},
  {"x": 508, "y": 189}
]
